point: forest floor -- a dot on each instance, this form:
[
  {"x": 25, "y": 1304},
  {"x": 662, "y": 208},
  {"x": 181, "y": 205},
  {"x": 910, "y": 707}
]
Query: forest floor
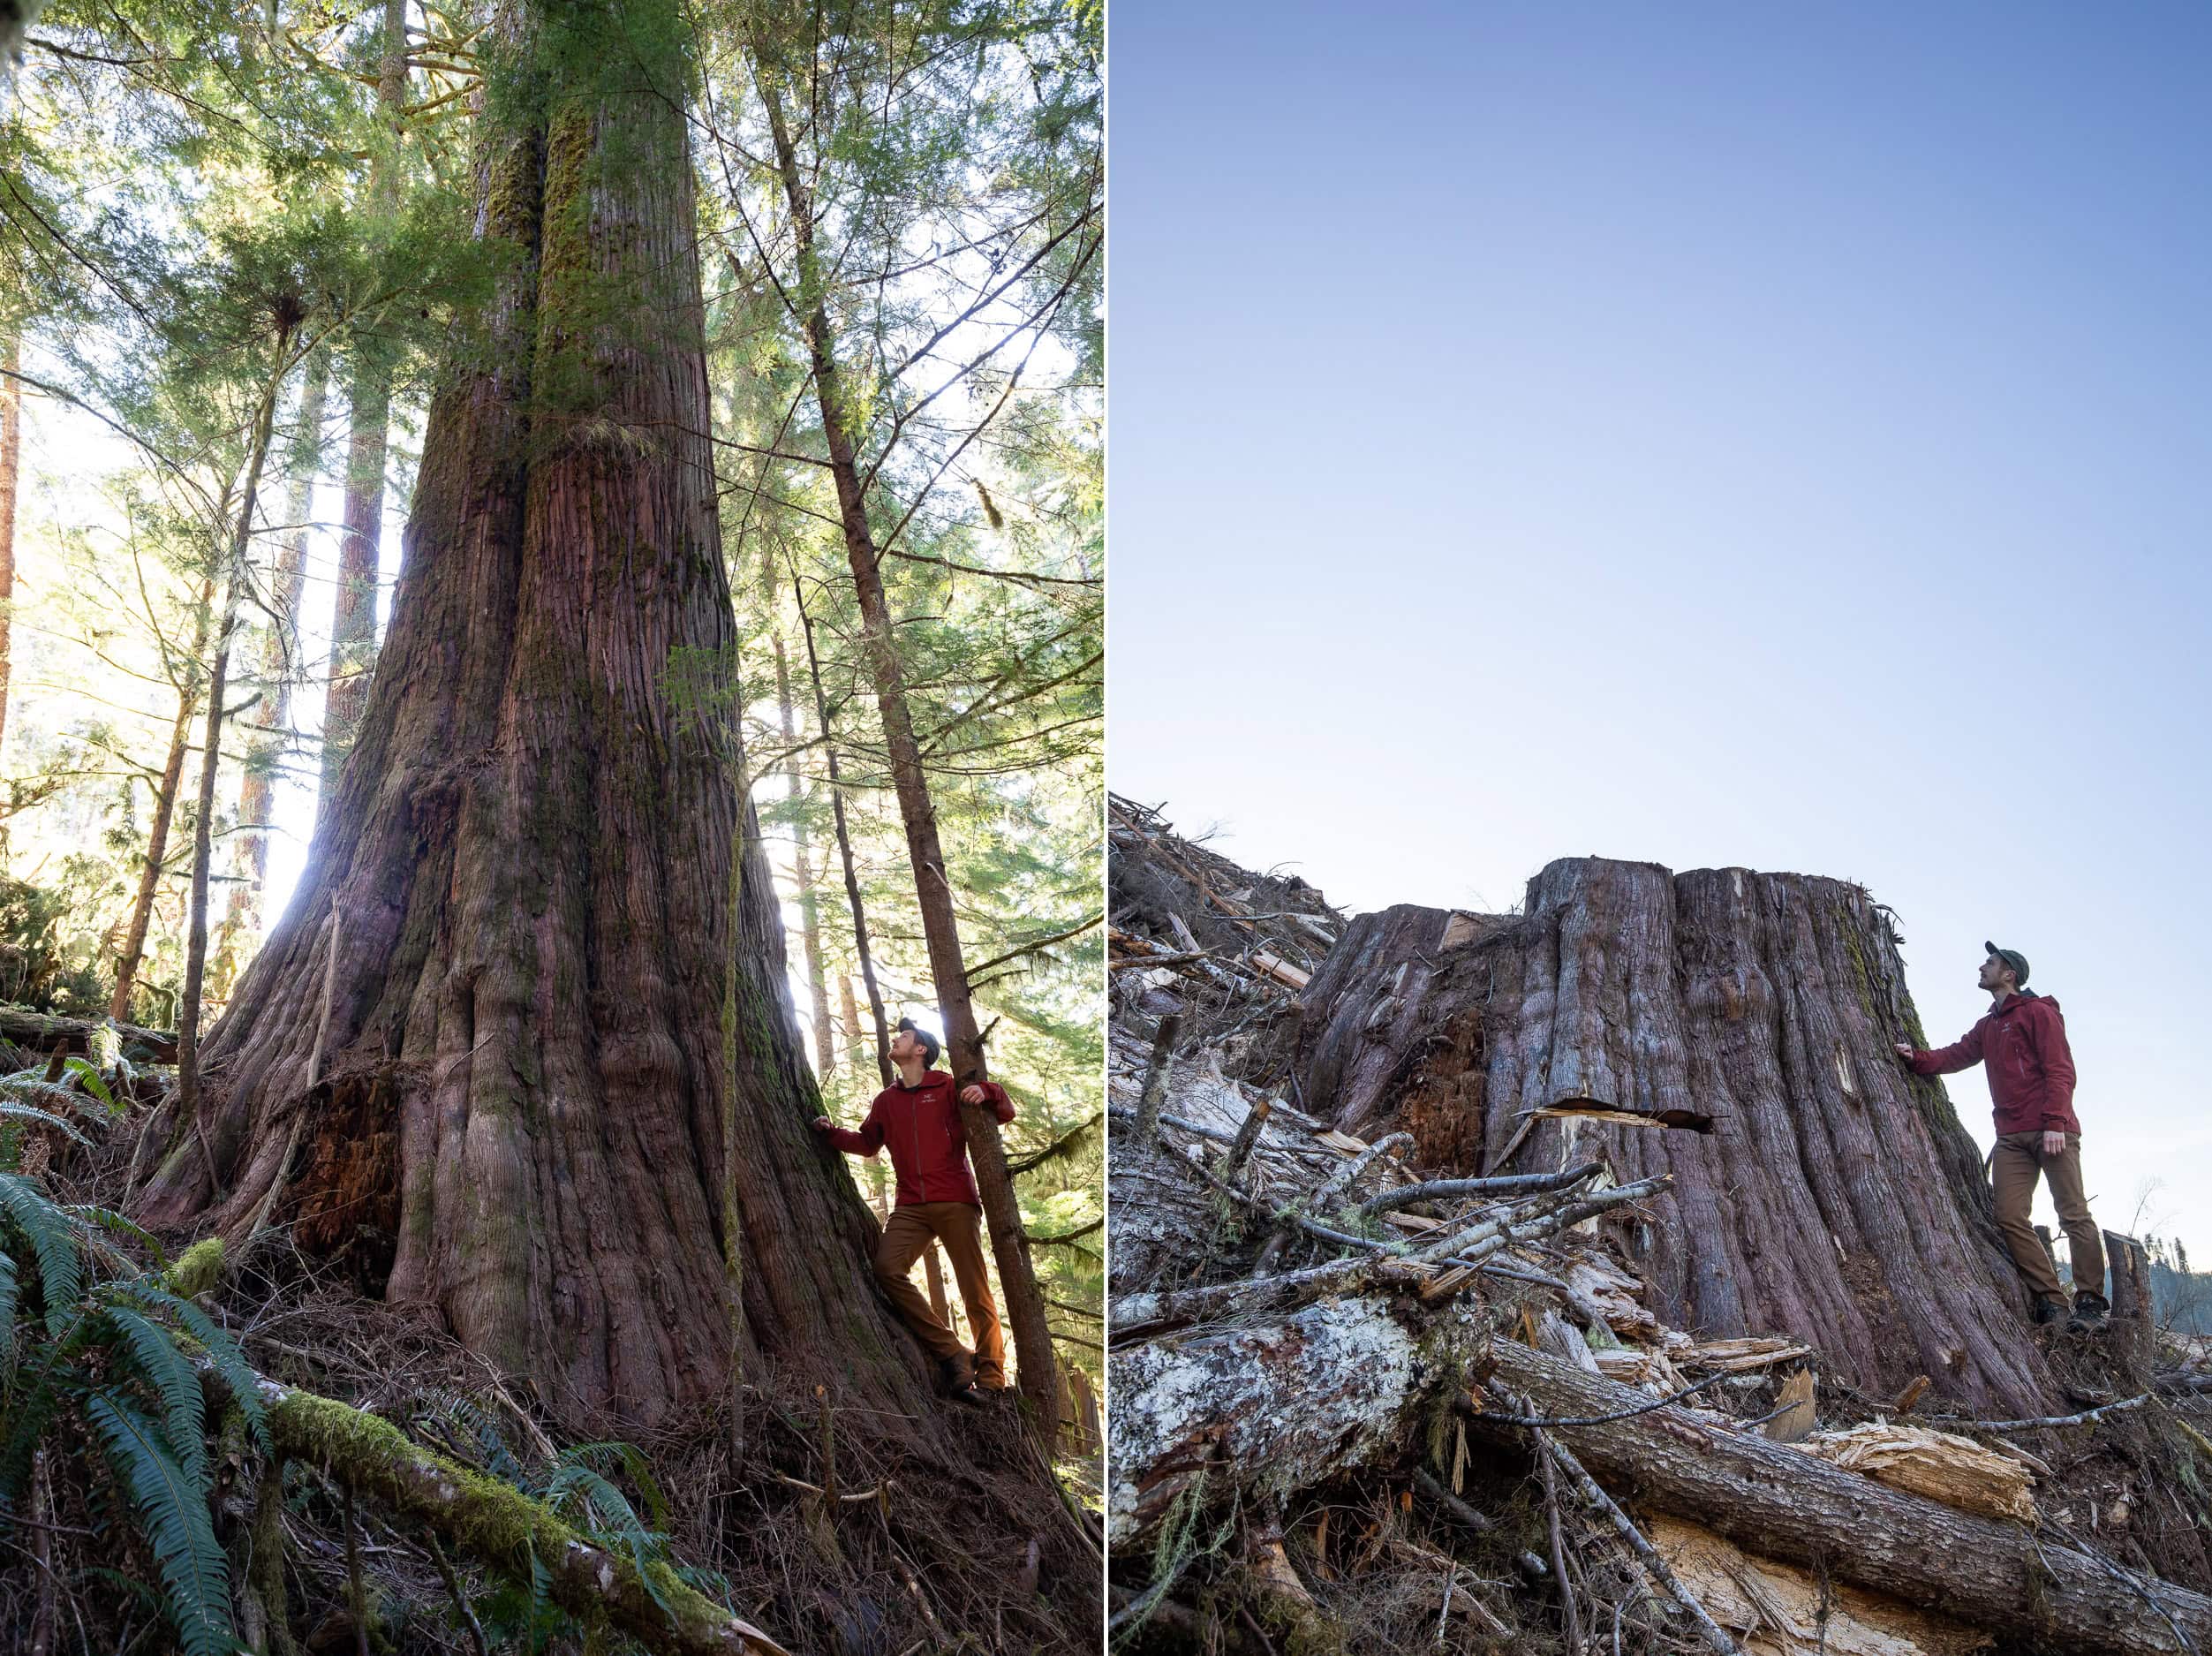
[{"x": 825, "y": 1528}]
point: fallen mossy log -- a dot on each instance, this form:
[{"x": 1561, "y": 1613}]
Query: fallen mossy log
[
  {"x": 1781, "y": 1503},
  {"x": 42, "y": 1031},
  {"x": 499, "y": 1524}
]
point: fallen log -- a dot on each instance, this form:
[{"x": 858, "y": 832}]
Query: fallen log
[
  {"x": 492, "y": 1521},
  {"x": 1291, "y": 1402},
  {"x": 41, "y": 1031},
  {"x": 1783, "y": 1504},
  {"x": 1782, "y": 1611}
]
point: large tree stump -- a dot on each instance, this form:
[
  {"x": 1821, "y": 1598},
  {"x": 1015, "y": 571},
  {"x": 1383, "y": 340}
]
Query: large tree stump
[{"x": 1836, "y": 1199}]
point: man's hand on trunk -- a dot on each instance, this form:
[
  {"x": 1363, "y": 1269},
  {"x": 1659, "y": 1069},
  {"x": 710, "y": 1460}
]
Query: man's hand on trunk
[{"x": 973, "y": 1094}]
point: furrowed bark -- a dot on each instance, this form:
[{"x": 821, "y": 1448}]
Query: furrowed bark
[
  {"x": 521, "y": 1121},
  {"x": 1837, "y": 1199},
  {"x": 1039, "y": 1375}
]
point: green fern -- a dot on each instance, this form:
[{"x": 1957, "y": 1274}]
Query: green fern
[
  {"x": 114, "y": 1365},
  {"x": 40, "y": 1118},
  {"x": 632, "y": 1461},
  {"x": 53, "y": 1239},
  {"x": 221, "y": 1350},
  {"x": 541, "y": 1594},
  {"x": 115, "y": 1224},
  {"x": 88, "y": 1076},
  {"x": 156, "y": 1360},
  {"x": 608, "y": 1515},
  {"x": 174, "y": 1507}
]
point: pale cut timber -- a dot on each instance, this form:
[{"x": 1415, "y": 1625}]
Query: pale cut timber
[
  {"x": 1940, "y": 1465},
  {"x": 1590, "y": 1110},
  {"x": 1276, "y": 967},
  {"x": 1777, "y": 1609},
  {"x": 1787, "y": 1505},
  {"x": 1795, "y": 1423},
  {"x": 1292, "y": 1401},
  {"x": 1742, "y": 1356}
]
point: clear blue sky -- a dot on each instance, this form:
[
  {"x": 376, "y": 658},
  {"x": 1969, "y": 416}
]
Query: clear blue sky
[{"x": 1777, "y": 436}]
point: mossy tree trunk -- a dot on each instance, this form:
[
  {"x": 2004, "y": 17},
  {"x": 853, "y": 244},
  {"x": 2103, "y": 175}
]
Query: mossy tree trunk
[
  {"x": 1836, "y": 1199},
  {"x": 520, "y": 1121}
]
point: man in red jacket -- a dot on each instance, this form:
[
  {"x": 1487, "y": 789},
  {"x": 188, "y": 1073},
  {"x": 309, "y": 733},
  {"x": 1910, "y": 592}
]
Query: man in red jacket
[
  {"x": 2023, "y": 1041},
  {"x": 919, "y": 1119}
]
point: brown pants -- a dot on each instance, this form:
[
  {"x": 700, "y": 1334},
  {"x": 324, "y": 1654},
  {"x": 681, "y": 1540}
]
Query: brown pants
[
  {"x": 2013, "y": 1166},
  {"x": 906, "y": 1234}
]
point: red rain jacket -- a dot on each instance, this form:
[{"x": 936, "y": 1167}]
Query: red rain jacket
[
  {"x": 928, "y": 1140},
  {"x": 2031, "y": 1072}
]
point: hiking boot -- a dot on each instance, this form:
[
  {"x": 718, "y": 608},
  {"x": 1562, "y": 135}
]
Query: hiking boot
[
  {"x": 990, "y": 1380},
  {"x": 958, "y": 1372},
  {"x": 2089, "y": 1313},
  {"x": 2048, "y": 1310}
]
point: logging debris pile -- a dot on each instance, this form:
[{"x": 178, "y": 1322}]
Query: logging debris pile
[
  {"x": 410, "y": 1499},
  {"x": 1320, "y": 1356},
  {"x": 1193, "y": 933},
  {"x": 1361, "y": 1404}
]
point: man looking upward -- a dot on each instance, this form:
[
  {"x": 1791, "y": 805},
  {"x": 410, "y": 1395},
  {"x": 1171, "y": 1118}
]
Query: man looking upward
[
  {"x": 919, "y": 1118},
  {"x": 2023, "y": 1041}
]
